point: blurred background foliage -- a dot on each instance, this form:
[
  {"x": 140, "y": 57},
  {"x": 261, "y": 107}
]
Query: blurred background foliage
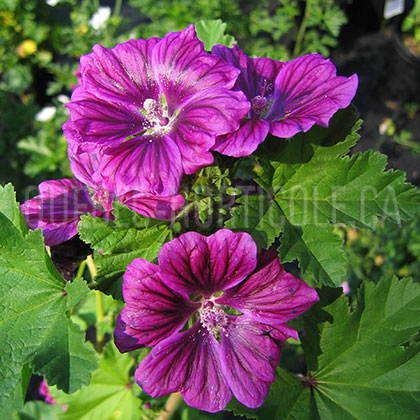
[{"x": 41, "y": 42}]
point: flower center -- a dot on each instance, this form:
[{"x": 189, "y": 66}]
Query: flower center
[
  {"x": 213, "y": 318},
  {"x": 157, "y": 118},
  {"x": 102, "y": 199},
  {"x": 260, "y": 104}
]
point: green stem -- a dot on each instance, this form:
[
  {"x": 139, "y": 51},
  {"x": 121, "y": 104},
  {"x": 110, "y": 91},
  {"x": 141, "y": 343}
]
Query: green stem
[
  {"x": 186, "y": 210},
  {"x": 117, "y": 8},
  {"x": 96, "y": 4},
  {"x": 99, "y": 305},
  {"x": 171, "y": 406},
  {"x": 81, "y": 270},
  {"x": 302, "y": 29},
  {"x": 99, "y": 318}
]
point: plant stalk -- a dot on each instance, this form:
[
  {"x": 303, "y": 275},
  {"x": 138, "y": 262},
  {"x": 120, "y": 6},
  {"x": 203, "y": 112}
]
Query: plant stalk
[
  {"x": 186, "y": 210},
  {"x": 99, "y": 306},
  {"x": 81, "y": 269},
  {"x": 302, "y": 29},
  {"x": 117, "y": 8},
  {"x": 171, "y": 406}
]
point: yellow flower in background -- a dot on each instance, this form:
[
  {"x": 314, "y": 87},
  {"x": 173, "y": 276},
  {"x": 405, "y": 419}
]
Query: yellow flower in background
[{"x": 26, "y": 47}]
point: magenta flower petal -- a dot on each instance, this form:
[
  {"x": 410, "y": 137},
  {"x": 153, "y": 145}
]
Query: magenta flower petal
[
  {"x": 245, "y": 140},
  {"x": 281, "y": 332},
  {"x": 207, "y": 114},
  {"x": 83, "y": 164},
  {"x": 95, "y": 123},
  {"x": 57, "y": 209},
  {"x": 249, "y": 359},
  {"x": 255, "y": 72},
  {"x": 122, "y": 74},
  {"x": 307, "y": 92},
  {"x": 270, "y": 295},
  {"x": 153, "y": 310},
  {"x": 145, "y": 164},
  {"x": 182, "y": 67},
  {"x": 188, "y": 362},
  {"x": 43, "y": 391},
  {"x": 193, "y": 263},
  {"x": 152, "y": 205}
]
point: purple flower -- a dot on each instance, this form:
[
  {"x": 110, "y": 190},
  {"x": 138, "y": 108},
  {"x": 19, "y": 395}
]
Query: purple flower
[
  {"x": 58, "y": 208},
  {"x": 286, "y": 98},
  {"x": 155, "y": 107},
  {"x": 61, "y": 203},
  {"x": 236, "y": 305}
]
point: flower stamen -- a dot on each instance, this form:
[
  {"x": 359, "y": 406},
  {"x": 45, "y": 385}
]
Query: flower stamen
[
  {"x": 156, "y": 114},
  {"x": 260, "y": 103},
  {"x": 213, "y": 318}
]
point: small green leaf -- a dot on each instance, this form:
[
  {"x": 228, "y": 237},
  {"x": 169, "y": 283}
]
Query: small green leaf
[
  {"x": 212, "y": 32},
  {"x": 76, "y": 291},
  {"x": 9, "y": 208}
]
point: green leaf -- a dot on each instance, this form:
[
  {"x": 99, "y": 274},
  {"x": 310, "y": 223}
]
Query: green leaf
[
  {"x": 352, "y": 190},
  {"x": 9, "y": 208},
  {"x": 120, "y": 241},
  {"x": 319, "y": 251},
  {"x": 258, "y": 216},
  {"x": 368, "y": 368},
  {"x": 34, "y": 326},
  {"x": 190, "y": 413},
  {"x": 212, "y": 32},
  {"x": 287, "y": 399},
  {"x": 318, "y": 144},
  {"x": 38, "y": 410},
  {"x": 76, "y": 291},
  {"x": 313, "y": 186},
  {"x": 17, "y": 395},
  {"x": 110, "y": 394},
  {"x": 312, "y": 320}
]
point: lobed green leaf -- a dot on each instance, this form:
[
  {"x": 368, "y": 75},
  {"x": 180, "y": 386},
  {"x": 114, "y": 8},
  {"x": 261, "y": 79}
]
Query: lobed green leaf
[
  {"x": 212, "y": 32},
  {"x": 110, "y": 394},
  {"x": 35, "y": 330}
]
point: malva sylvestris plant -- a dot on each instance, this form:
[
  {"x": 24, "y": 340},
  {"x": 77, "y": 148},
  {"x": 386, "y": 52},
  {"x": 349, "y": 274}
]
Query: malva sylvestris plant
[{"x": 204, "y": 311}]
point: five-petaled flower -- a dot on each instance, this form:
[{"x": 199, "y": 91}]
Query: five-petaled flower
[
  {"x": 155, "y": 107},
  {"x": 215, "y": 314},
  {"x": 285, "y": 98}
]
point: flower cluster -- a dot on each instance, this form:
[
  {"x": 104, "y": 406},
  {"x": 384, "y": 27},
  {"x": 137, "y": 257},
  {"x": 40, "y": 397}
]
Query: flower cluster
[
  {"x": 148, "y": 111},
  {"x": 145, "y": 113},
  {"x": 236, "y": 305}
]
